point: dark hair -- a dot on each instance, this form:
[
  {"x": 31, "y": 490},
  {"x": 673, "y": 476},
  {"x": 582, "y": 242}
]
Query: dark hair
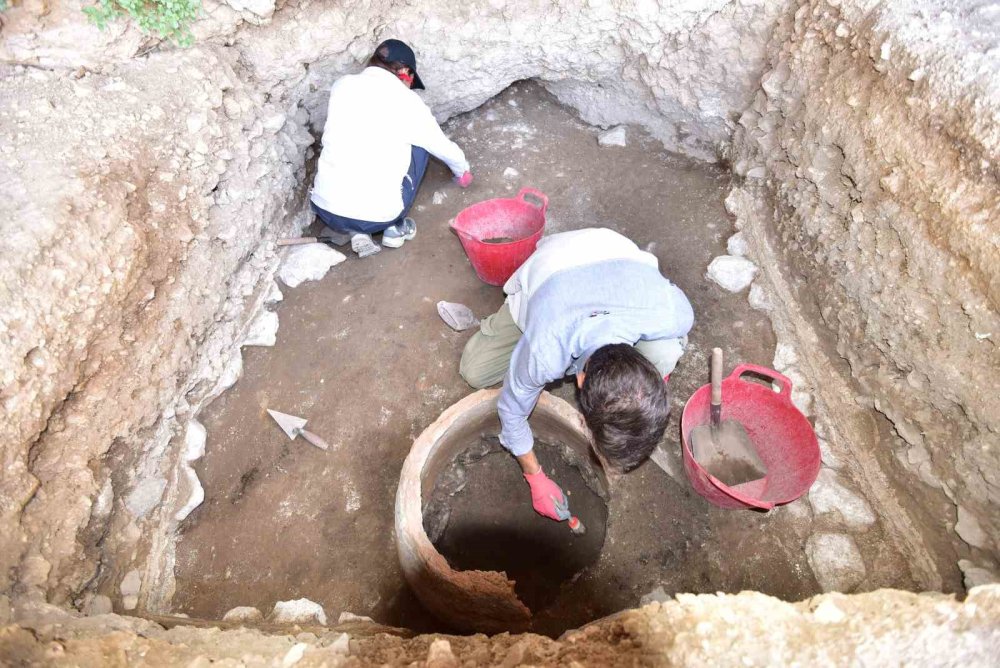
[{"x": 625, "y": 403}]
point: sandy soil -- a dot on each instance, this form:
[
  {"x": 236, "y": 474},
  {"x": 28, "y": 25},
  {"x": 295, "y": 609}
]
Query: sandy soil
[{"x": 363, "y": 355}]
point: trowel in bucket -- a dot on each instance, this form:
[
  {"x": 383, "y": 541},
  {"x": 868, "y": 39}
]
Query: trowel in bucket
[
  {"x": 723, "y": 447},
  {"x": 296, "y": 426}
]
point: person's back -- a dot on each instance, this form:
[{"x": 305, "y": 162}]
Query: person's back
[
  {"x": 365, "y": 153},
  {"x": 377, "y": 141}
]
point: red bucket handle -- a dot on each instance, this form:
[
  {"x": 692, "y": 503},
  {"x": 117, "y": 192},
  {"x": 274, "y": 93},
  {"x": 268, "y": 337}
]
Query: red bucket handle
[
  {"x": 537, "y": 194},
  {"x": 786, "y": 384}
]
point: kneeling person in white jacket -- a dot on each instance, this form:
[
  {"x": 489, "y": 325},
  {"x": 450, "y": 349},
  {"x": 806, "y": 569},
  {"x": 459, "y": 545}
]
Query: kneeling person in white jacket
[
  {"x": 376, "y": 142},
  {"x": 588, "y": 303}
]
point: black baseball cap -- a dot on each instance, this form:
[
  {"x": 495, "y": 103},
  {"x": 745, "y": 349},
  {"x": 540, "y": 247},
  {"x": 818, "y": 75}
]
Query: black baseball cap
[{"x": 396, "y": 51}]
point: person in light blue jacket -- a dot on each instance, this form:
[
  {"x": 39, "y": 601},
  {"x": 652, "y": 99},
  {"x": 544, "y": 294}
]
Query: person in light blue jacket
[{"x": 590, "y": 303}]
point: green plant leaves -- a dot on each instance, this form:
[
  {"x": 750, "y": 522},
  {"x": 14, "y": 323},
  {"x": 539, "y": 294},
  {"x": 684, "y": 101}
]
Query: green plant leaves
[{"x": 169, "y": 19}]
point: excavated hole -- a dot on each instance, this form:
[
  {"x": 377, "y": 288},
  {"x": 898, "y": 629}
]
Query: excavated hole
[
  {"x": 363, "y": 355},
  {"x": 476, "y": 523}
]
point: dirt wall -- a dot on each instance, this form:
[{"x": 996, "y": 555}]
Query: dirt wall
[{"x": 876, "y": 137}]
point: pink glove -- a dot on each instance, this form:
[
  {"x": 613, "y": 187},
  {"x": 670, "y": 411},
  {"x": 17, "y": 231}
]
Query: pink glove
[
  {"x": 464, "y": 180},
  {"x": 546, "y": 497}
]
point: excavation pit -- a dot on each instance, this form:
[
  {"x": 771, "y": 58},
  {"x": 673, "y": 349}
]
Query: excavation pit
[
  {"x": 466, "y": 591},
  {"x": 479, "y": 517}
]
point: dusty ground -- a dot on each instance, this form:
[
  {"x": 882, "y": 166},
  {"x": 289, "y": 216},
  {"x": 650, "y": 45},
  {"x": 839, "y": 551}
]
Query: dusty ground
[{"x": 363, "y": 355}]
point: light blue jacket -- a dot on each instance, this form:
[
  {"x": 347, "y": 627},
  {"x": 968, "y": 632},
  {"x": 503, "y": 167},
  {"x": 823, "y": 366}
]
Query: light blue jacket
[{"x": 574, "y": 311}]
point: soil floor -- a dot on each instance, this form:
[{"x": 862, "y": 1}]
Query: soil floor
[{"x": 363, "y": 355}]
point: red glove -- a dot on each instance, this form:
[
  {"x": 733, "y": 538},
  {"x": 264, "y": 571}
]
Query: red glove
[
  {"x": 548, "y": 500},
  {"x": 464, "y": 180}
]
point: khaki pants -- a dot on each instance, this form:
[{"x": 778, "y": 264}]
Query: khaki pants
[{"x": 487, "y": 354}]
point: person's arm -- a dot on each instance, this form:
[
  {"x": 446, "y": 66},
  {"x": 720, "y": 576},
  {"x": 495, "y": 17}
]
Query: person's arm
[
  {"x": 530, "y": 369},
  {"x": 424, "y": 131}
]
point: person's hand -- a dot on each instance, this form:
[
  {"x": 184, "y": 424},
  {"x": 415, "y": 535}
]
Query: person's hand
[
  {"x": 546, "y": 497},
  {"x": 464, "y": 180}
]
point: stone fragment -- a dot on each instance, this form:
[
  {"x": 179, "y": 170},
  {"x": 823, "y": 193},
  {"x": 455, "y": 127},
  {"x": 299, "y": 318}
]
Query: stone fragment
[
  {"x": 243, "y": 613},
  {"x": 737, "y": 245},
  {"x": 298, "y": 611},
  {"x": 308, "y": 263},
  {"x": 145, "y": 496},
  {"x": 827, "y": 612},
  {"x": 836, "y": 561},
  {"x": 439, "y": 654},
  {"x": 294, "y": 655},
  {"x": 195, "y": 438},
  {"x": 759, "y": 299},
  {"x": 263, "y": 331},
  {"x": 273, "y": 294},
  {"x": 731, "y": 273},
  {"x": 342, "y": 645},
  {"x": 438, "y": 197},
  {"x": 969, "y": 529},
  {"x": 351, "y": 617},
  {"x": 614, "y": 137},
  {"x": 129, "y": 588},
  {"x": 976, "y": 576},
  {"x": 511, "y": 173},
  {"x": 828, "y": 496}
]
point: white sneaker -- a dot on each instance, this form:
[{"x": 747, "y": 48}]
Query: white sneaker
[
  {"x": 395, "y": 236},
  {"x": 363, "y": 245}
]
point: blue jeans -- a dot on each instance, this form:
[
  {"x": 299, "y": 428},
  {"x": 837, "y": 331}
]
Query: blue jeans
[{"x": 410, "y": 185}]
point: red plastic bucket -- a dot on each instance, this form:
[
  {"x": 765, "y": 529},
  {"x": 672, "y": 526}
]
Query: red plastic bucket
[
  {"x": 782, "y": 435},
  {"x": 516, "y": 218}
]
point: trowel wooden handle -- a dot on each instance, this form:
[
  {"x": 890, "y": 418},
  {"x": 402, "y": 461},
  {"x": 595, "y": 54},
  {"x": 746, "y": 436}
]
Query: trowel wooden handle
[
  {"x": 297, "y": 242},
  {"x": 314, "y": 439},
  {"x": 716, "y": 376}
]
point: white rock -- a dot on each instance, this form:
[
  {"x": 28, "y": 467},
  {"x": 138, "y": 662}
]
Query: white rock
[
  {"x": 737, "y": 245},
  {"x": 273, "y": 294},
  {"x": 263, "y": 331},
  {"x": 243, "y": 613},
  {"x": 351, "y": 617},
  {"x": 308, "y": 263},
  {"x": 440, "y": 655},
  {"x": 129, "y": 588},
  {"x": 827, "y": 612},
  {"x": 511, "y": 173},
  {"x": 759, "y": 299},
  {"x": 294, "y": 655},
  {"x": 828, "y": 495},
  {"x": 145, "y": 496},
  {"x": 298, "y": 611},
  {"x": 194, "y": 449},
  {"x": 969, "y": 530},
  {"x": 438, "y": 197},
  {"x": 974, "y": 575},
  {"x": 732, "y": 273},
  {"x": 835, "y": 560},
  {"x": 614, "y": 137},
  {"x": 342, "y": 645}
]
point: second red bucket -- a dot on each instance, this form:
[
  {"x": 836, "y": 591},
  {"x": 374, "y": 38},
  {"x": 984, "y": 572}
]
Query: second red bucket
[{"x": 499, "y": 234}]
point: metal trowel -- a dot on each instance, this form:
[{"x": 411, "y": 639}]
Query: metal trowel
[
  {"x": 723, "y": 447},
  {"x": 296, "y": 426}
]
